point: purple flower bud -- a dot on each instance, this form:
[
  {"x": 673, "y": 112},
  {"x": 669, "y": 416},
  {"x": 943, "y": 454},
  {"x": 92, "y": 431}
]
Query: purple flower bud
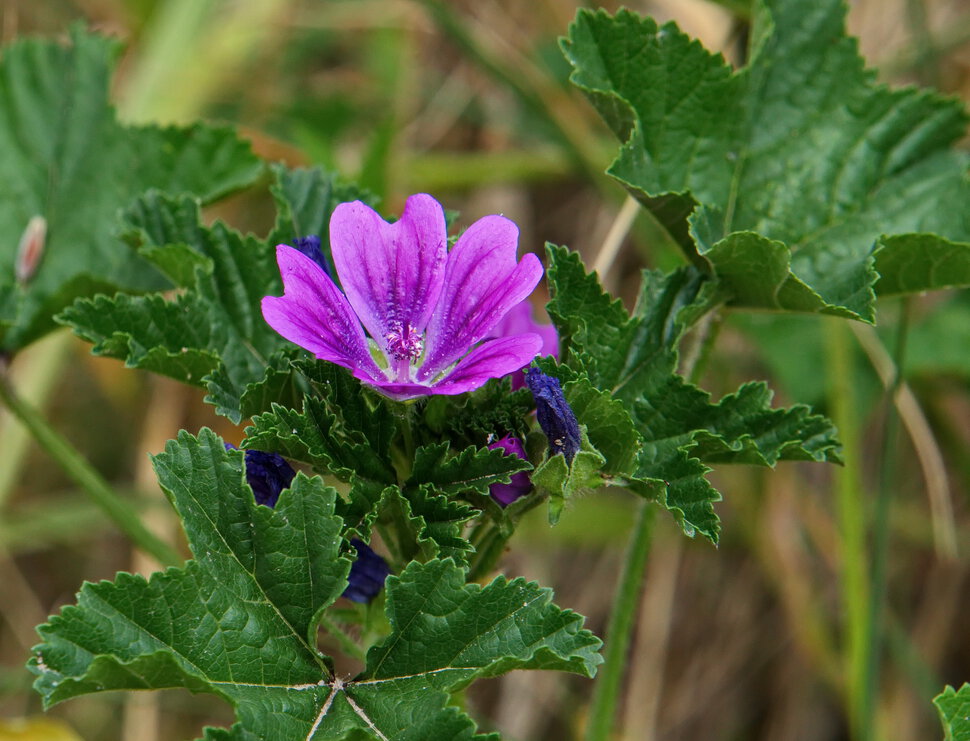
[
  {"x": 519, "y": 485},
  {"x": 367, "y": 575},
  {"x": 267, "y": 475},
  {"x": 310, "y": 246},
  {"x": 555, "y": 416},
  {"x": 31, "y": 249}
]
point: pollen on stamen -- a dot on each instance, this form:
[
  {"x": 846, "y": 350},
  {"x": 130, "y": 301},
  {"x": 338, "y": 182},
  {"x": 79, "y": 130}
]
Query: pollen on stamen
[{"x": 403, "y": 342}]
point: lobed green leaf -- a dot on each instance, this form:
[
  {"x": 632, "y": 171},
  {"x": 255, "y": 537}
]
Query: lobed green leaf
[
  {"x": 58, "y": 136},
  {"x": 792, "y": 178}
]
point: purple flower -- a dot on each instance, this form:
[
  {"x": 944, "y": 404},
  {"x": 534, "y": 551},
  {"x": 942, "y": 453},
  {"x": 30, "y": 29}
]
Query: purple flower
[
  {"x": 424, "y": 308},
  {"x": 267, "y": 475},
  {"x": 367, "y": 575},
  {"x": 554, "y": 414},
  {"x": 519, "y": 320},
  {"x": 519, "y": 485}
]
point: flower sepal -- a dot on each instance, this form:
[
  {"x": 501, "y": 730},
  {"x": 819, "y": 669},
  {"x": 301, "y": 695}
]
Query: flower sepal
[{"x": 561, "y": 481}]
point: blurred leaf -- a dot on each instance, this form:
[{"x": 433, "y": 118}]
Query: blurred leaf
[
  {"x": 798, "y": 164},
  {"x": 65, "y": 157},
  {"x": 913, "y": 263},
  {"x": 954, "y": 709},
  {"x": 240, "y": 620}
]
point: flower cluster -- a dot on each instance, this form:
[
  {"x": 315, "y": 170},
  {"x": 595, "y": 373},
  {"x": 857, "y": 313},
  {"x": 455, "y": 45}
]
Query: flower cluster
[{"x": 424, "y": 308}]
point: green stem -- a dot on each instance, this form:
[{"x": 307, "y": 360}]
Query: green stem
[
  {"x": 880, "y": 529},
  {"x": 487, "y": 554},
  {"x": 619, "y": 632},
  {"x": 82, "y": 473},
  {"x": 347, "y": 643},
  {"x": 852, "y": 525}
]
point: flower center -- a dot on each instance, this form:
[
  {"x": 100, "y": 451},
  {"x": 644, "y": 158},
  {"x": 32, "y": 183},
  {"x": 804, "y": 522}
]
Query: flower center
[{"x": 403, "y": 342}]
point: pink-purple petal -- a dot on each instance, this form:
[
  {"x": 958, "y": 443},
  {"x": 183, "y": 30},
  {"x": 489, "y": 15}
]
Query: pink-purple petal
[
  {"x": 314, "y": 314},
  {"x": 491, "y": 359},
  {"x": 482, "y": 283},
  {"x": 392, "y": 273}
]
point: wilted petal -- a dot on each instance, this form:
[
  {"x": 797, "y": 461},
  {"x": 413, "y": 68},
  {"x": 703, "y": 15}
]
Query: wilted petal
[
  {"x": 555, "y": 416},
  {"x": 367, "y": 575},
  {"x": 492, "y": 359},
  {"x": 315, "y": 315},
  {"x": 519, "y": 483},
  {"x": 392, "y": 273},
  {"x": 482, "y": 283}
]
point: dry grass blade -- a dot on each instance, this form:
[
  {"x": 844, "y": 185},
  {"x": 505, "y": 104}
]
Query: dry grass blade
[{"x": 924, "y": 443}]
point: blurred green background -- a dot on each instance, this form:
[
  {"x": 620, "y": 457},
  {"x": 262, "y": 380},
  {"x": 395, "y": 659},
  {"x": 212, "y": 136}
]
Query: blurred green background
[{"x": 469, "y": 100}]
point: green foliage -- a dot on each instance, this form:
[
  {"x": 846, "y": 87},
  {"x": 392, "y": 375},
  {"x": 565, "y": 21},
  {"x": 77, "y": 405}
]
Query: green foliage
[
  {"x": 954, "y": 708},
  {"x": 471, "y": 470},
  {"x": 240, "y": 620},
  {"x": 67, "y": 158},
  {"x": 213, "y": 333},
  {"x": 655, "y": 430},
  {"x": 785, "y": 177}
]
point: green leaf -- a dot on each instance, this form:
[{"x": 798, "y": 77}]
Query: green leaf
[
  {"x": 435, "y": 523},
  {"x": 796, "y": 171},
  {"x": 912, "y": 263},
  {"x": 304, "y": 201},
  {"x": 317, "y": 435},
  {"x": 492, "y": 411},
  {"x": 240, "y": 620},
  {"x": 65, "y": 157},
  {"x": 471, "y": 470},
  {"x": 954, "y": 709},
  {"x": 561, "y": 481},
  {"x": 218, "y": 317},
  {"x": 655, "y": 429}
]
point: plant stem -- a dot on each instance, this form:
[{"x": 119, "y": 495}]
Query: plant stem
[
  {"x": 84, "y": 475},
  {"x": 852, "y": 526},
  {"x": 619, "y": 632},
  {"x": 880, "y": 527}
]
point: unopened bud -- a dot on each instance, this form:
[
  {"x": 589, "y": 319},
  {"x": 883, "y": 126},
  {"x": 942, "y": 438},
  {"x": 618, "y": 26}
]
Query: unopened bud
[{"x": 31, "y": 249}]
